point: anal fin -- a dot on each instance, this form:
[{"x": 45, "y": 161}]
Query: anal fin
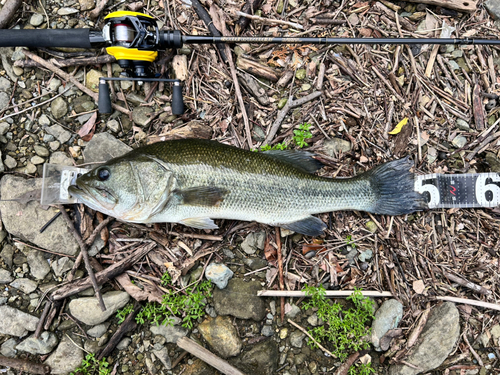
[
  {"x": 200, "y": 223},
  {"x": 310, "y": 226}
]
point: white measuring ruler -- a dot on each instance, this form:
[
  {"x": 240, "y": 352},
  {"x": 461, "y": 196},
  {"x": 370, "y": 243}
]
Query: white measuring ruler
[{"x": 459, "y": 190}]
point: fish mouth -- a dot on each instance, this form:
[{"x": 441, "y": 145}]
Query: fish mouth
[{"x": 96, "y": 196}]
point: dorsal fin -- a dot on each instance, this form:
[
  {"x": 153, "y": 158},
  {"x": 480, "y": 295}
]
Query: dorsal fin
[{"x": 302, "y": 160}]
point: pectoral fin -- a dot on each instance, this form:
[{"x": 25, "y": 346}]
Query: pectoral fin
[
  {"x": 310, "y": 226},
  {"x": 202, "y": 196},
  {"x": 200, "y": 223}
]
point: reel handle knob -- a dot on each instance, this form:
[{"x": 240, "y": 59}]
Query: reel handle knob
[
  {"x": 177, "y": 101},
  {"x": 104, "y": 100}
]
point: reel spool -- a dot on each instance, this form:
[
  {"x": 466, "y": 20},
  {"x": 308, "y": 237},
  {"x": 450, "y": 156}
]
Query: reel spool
[{"x": 133, "y": 40}]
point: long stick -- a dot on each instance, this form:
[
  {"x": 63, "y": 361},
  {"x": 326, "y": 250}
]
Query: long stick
[
  {"x": 206, "y": 356},
  {"x": 328, "y": 293}
]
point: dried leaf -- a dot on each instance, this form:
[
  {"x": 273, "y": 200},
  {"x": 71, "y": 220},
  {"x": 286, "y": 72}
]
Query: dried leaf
[
  {"x": 270, "y": 253},
  {"x": 89, "y": 126},
  {"x": 418, "y": 286},
  {"x": 306, "y": 248},
  {"x": 399, "y": 126}
]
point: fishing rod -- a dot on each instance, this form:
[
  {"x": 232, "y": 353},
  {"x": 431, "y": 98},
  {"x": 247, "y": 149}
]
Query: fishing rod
[{"x": 134, "y": 39}]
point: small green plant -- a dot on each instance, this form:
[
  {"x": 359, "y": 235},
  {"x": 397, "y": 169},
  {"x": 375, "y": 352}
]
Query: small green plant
[
  {"x": 90, "y": 366},
  {"x": 122, "y": 314},
  {"x": 278, "y": 146},
  {"x": 361, "y": 369},
  {"x": 188, "y": 305},
  {"x": 301, "y": 134},
  {"x": 343, "y": 330},
  {"x": 350, "y": 242}
]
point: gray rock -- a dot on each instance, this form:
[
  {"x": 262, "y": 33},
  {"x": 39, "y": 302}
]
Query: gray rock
[
  {"x": 5, "y": 276},
  {"x": 221, "y": 336},
  {"x": 7, "y": 254},
  {"x": 103, "y": 147},
  {"x": 39, "y": 267},
  {"x": 463, "y": 125},
  {"x": 44, "y": 120},
  {"x": 14, "y": 216},
  {"x": 240, "y": 299},
  {"x": 294, "y": 311},
  {"x": 36, "y": 19},
  {"x": 436, "y": 341},
  {"x": 267, "y": 331},
  {"x": 8, "y": 348},
  {"x": 313, "y": 320},
  {"x": 124, "y": 343},
  {"x": 44, "y": 345},
  {"x": 219, "y": 274},
  {"x": 25, "y": 285},
  {"x": 4, "y": 100},
  {"x": 254, "y": 242},
  {"x": 87, "y": 309},
  {"x": 59, "y": 107},
  {"x": 4, "y": 84},
  {"x": 98, "y": 330},
  {"x": 41, "y": 151},
  {"x": 459, "y": 141},
  {"x": 255, "y": 263},
  {"x": 61, "y": 134},
  {"x": 66, "y": 11},
  {"x": 4, "y": 127},
  {"x": 297, "y": 339},
  {"x": 96, "y": 246},
  {"x": 54, "y": 84},
  {"x": 386, "y": 318},
  {"x": 141, "y": 115},
  {"x": 82, "y": 119},
  {"x": 10, "y": 162},
  {"x": 86, "y": 4},
  {"x": 54, "y": 145},
  {"x": 67, "y": 357},
  {"x": 332, "y": 147},
  {"x": 493, "y": 7},
  {"x": 15, "y": 322},
  {"x": 113, "y": 125},
  {"x": 135, "y": 99},
  {"x": 261, "y": 359},
  {"x": 171, "y": 332},
  {"x": 162, "y": 354},
  {"x": 62, "y": 265},
  {"x": 60, "y": 158}
]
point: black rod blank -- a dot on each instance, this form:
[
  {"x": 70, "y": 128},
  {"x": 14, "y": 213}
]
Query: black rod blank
[{"x": 195, "y": 39}]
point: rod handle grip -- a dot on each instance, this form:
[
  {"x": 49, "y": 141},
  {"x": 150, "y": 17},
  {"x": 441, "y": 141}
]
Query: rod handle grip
[
  {"x": 104, "y": 100},
  {"x": 177, "y": 101}
]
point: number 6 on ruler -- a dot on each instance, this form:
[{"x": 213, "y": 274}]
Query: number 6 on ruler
[{"x": 482, "y": 188}]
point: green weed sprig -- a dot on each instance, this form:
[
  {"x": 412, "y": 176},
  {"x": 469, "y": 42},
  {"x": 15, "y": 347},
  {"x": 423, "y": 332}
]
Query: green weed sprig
[
  {"x": 90, "y": 366},
  {"x": 301, "y": 134},
  {"x": 343, "y": 329}
]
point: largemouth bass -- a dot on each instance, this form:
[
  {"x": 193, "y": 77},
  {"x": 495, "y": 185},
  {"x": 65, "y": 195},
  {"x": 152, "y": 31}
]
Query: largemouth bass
[{"x": 193, "y": 181}]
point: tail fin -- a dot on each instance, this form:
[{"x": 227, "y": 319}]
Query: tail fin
[{"x": 393, "y": 185}]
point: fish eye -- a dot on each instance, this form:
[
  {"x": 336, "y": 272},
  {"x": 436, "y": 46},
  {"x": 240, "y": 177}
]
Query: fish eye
[{"x": 103, "y": 174}]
